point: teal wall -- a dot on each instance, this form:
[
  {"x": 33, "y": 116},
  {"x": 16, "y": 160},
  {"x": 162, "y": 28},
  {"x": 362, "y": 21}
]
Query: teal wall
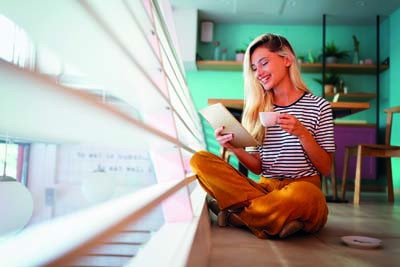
[
  {"x": 214, "y": 84},
  {"x": 229, "y": 84},
  {"x": 235, "y": 36},
  {"x": 393, "y": 96},
  {"x": 303, "y": 40}
]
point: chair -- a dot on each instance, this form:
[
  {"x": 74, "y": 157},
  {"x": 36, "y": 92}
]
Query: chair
[
  {"x": 225, "y": 154},
  {"x": 373, "y": 150}
]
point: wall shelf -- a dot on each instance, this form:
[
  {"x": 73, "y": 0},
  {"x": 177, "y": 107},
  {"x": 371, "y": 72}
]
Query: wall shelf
[
  {"x": 339, "y": 109},
  {"x": 219, "y": 65},
  {"x": 344, "y": 68},
  {"x": 305, "y": 67},
  {"x": 350, "y": 97}
]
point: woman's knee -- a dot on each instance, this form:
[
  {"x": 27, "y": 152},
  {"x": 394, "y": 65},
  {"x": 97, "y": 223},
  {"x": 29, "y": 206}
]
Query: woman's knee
[
  {"x": 199, "y": 157},
  {"x": 302, "y": 192}
]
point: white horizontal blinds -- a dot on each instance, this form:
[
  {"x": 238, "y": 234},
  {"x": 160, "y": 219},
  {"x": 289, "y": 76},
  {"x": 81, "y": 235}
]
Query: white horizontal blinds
[
  {"x": 187, "y": 137},
  {"x": 84, "y": 229},
  {"x": 22, "y": 50},
  {"x": 15, "y": 47},
  {"x": 118, "y": 96},
  {"x": 162, "y": 161},
  {"x": 146, "y": 22},
  {"x": 7, "y": 28},
  {"x": 34, "y": 108},
  {"x": 108, "y": 48},
  {"x": 176, "y": 86},
  {"x": 183, "y": 120},
  {"x": 164, "y": 120},
  {"x": 116, "y": 20},
  {"x": 179, "y": 102},
  {"x": 185, "y": 124},
  {"x": 99, "y": 52},
  {"x": 173, "y": 72},
  {"x": 168, "y": 163},
  {"x": 171, "y": 67}
]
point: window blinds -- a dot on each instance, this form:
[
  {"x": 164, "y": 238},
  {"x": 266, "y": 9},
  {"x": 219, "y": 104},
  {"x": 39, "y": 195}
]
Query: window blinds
[{"x": 111, "y": 46}]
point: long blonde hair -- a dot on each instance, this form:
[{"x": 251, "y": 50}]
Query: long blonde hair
[{"x": 256, "y": 99}]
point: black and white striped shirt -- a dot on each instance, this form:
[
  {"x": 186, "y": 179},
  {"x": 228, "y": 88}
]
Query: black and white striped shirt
[{"x": 282, "y": 154}]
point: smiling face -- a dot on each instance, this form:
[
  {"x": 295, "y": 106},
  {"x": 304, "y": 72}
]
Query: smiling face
[{"x": 269, "y": 68}]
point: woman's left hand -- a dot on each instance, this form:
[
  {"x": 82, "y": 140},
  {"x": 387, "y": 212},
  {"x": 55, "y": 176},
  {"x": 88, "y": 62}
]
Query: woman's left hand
[{"x": 291, "y": 124}]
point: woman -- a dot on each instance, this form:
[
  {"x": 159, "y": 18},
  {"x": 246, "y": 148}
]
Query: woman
[{"x": 292, "y": 155}]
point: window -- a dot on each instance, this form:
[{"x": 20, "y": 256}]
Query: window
[
  {"x": 105, "y": 109},
  {"x": 17, "y": 49},
  {"x": 9, "y": 160}
]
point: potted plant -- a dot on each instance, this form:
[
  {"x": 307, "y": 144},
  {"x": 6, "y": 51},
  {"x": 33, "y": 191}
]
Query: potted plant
[
  {"x": 333, "y": 53},
  {"x": 331, "y": 81},
  {"x": 240, "y": 54},
  {"x": 356, "y": 50}
]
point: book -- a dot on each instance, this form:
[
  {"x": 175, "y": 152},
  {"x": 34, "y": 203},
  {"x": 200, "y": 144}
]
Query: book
[{"x": 218, "y": 115}]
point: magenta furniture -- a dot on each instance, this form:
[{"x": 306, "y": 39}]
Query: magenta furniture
[{"x": 354, "y": 134}]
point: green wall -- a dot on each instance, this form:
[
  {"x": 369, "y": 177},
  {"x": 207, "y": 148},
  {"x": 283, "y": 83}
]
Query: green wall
[
  {"x": 235, "y": 36},
  {"x": 229, "y": 84},
  {"x": 214, "y": 84},
  {"x": 393, "y": 96},
  {"x": 303, "y": 39}
]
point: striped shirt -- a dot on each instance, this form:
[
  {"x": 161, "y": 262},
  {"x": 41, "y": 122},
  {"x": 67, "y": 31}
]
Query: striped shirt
[{"x": 282, "y": 154}]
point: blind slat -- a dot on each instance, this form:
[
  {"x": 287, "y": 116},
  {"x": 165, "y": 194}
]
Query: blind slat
[
  {"x": 34, "y": 108},
  {"x": 116, "y": 214}
]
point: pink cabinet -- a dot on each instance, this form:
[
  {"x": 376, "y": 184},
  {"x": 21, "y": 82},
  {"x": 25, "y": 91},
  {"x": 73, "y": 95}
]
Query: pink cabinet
[{"x": 354, "y": 134}]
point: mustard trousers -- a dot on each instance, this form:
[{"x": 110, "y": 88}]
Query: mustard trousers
[{"x": 269, "y": 204}]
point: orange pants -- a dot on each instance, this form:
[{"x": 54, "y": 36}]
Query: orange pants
[{"x": 269, "y": 204}]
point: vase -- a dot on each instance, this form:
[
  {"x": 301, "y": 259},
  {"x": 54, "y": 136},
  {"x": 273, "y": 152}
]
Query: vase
[
  {"x": 330, "y": 60},
  {"x": 239, "y": 57},
  {"x": 217, "y": 53},
  {"x": 356, "y": 58},
  {"x": 223, "y": 55},
  {"x": 311, "y": 58},
  {"x": 328, "y": 88}
]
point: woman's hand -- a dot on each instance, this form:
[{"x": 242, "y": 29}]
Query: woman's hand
[
  {"x": 292, "y": 125},
  {"x": 250, "y": 161},
  {"x": 223, "y": 139}
]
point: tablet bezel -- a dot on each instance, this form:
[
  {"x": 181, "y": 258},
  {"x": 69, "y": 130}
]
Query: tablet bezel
[{"x": 218, "y": 115}]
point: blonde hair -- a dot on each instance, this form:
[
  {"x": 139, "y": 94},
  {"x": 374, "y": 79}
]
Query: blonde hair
[{"x": 256, "y": 99}]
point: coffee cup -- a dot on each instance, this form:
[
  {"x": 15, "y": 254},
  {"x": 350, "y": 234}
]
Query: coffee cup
[{"x": 269, "y": 118}]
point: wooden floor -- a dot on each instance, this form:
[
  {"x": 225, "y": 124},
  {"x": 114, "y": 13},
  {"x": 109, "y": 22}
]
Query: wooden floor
[{"x": 374, "y": 218}]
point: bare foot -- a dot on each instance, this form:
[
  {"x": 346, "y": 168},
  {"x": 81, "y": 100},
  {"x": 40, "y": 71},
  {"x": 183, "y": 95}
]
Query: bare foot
[
  {"x": 291, "y": 228},
  {"x": 213, "y": 204}
]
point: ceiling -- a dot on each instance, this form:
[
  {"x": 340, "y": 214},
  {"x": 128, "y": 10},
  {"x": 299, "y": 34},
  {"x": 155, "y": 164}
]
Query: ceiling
[{"x": 290, "y": 12}]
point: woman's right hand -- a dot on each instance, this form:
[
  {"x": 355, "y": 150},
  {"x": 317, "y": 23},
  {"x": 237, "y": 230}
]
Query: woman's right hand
[{"x": 223, "y": 139}]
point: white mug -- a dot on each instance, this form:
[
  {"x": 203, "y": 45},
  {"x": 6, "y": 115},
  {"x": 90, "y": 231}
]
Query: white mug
[{"x": 269, "y": 118}]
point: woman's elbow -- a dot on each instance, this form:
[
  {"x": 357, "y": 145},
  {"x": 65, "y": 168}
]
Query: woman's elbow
[
  {"x": 256, "y": 170},
  {"x": 326, "y": 167},
  {"x": 325, "y": 171}
]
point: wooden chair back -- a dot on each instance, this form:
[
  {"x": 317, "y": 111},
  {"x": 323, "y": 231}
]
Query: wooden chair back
[{"x": 389, "y": 122}]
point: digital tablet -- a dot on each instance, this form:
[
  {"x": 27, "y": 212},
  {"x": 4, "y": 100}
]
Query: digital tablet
[{"x": 218, "y": 115}]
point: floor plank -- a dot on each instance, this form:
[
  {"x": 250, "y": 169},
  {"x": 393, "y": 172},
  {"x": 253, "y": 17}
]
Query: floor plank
[{"x": 375, "y": 217}]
